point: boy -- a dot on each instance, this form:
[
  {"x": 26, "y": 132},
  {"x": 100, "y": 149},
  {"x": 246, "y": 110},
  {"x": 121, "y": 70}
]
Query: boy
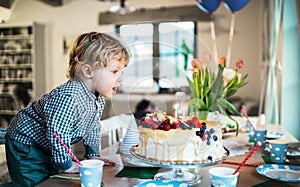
[{"x": 72, "y": 110}]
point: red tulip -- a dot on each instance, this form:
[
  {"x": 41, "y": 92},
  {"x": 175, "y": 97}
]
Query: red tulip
[{"x": 239, "y": 63}]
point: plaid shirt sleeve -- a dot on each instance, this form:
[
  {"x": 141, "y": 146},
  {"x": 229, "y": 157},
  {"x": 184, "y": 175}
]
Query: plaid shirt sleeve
[
  {"x": 93, "y": 141},
  {"x": 60, "y": 117}
]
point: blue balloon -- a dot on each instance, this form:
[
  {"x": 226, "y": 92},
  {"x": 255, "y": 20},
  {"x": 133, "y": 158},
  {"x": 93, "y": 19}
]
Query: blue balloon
[
  {"x": 208, "y": 6},
  {"x": 235, "y": 5}
]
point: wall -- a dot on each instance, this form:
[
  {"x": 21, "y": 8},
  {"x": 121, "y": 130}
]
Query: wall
[
  {"x": 80, "y": 16},
  {"x": 246, "y": 42},
  {"x": 290, "y": 71}
]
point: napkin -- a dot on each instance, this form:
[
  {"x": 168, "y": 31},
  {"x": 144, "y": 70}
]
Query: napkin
[
  {"x": 272, "y": 183},
  {"x": 291, "y": 161},
  {"x": 77, "y": 178},
  {"x": 251, "y": 139},
  {"x": 138, "y": 172},
  {"x": 235, "y": 148},
  {"x": 69, "y": 177},
  {"x": 118, "y": 151}
]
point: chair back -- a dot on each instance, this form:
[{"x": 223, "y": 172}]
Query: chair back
[{"x": 115, "y": 127}]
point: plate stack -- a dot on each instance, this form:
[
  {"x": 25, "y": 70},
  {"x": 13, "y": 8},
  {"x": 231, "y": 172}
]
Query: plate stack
[{"x": 131, "y": 137}]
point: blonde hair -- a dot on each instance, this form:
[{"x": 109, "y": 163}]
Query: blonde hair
[{"x": 95, "y": 48}]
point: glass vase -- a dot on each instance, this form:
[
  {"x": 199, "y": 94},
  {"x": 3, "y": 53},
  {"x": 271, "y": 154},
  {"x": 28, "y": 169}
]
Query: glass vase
[{"x": 202, "y": 115}]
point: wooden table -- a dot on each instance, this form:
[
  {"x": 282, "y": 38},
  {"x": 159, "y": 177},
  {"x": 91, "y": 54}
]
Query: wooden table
[{"x": 248, "y": 175}]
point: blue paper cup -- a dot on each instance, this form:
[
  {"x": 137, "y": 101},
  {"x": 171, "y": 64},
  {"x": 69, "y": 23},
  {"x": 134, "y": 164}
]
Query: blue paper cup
[
  {"x": 278, "y": 150},
  {"x": 222, "y": 176},
  {"x": 260, "y": 136},
  {"x": 91, "y": 172}
]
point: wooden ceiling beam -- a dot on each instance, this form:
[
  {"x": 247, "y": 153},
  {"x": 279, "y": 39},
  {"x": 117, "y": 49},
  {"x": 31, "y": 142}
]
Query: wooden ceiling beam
[{"x": 182, "y": 13}]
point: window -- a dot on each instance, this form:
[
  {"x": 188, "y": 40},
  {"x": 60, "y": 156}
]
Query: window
[{"x": 161, "y": 55}]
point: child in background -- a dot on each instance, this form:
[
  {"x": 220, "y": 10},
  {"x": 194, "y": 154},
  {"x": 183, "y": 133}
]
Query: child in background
[
  {"x": 144, "y": 107},
  {"x": 72, "y": 110}
]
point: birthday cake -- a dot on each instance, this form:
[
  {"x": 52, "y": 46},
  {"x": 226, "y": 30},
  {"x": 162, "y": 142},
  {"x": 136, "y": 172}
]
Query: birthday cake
[{"x": 168, "y": 139}]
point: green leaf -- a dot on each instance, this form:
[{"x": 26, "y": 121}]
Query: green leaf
[
  {"x": 226, "y": 104},
  {"x": 222, "y": 111},
  {"x": 217, "y": 86},
  {"x": 192, "y": 88},
  {"x": 231, "y": 92},
  {"x": 236, "y": 123}
]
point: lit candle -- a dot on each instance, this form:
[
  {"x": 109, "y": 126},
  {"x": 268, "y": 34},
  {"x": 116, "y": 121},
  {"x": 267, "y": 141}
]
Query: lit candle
[{"x": 176, "y": 110}]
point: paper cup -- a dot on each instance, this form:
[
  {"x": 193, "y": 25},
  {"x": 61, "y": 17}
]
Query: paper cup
[
  {"x": 278, "y": 150},
  {"x": 222, "y": 177},
  {"x": 91, "y": 172},
  {"x": 260, "y": 136}
]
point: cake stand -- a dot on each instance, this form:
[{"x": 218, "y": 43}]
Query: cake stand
[{"x": 179, "y": 170}]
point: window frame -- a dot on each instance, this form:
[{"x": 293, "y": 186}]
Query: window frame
[{"x": 156, "y": 48}]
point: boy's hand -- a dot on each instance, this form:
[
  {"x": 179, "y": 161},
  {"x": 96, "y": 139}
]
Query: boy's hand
[
  {"x": 72, "y": 169},
  {"x": 106, "y": 161}
]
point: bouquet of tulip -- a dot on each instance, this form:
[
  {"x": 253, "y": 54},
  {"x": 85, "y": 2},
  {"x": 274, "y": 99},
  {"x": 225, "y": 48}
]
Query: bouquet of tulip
[{"x": 210, "y": 89}]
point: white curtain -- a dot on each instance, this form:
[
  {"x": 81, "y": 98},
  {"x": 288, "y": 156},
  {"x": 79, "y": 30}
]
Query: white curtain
[{"x": 270, "y": 90}]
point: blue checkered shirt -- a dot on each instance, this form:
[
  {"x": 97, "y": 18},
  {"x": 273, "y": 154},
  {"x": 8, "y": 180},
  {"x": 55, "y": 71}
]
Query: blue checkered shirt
[{"x": 70, "y": 110}]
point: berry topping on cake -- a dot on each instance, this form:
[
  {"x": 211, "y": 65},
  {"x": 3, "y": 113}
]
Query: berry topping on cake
[
  {"x": 175, "y": 124},
  {"x": 209, "y": 158},
  {"x": 162, "y": 121},
  {"x": 196, "y": 122},
  {"x": 206, "y": 135}
]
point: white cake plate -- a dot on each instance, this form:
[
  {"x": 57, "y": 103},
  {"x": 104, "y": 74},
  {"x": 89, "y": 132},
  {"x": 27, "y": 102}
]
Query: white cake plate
[{"x": 179, "y": 171}]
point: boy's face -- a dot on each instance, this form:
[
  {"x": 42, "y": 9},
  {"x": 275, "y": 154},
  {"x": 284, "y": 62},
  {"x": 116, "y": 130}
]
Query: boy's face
[{"x": 107, "y": 80}]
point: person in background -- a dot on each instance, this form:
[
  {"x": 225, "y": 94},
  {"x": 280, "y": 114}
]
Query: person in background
[
  {"x": 144, "y": 107},
  {"x": 72, "y": 111}
]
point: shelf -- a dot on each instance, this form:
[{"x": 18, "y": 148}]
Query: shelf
[
  {"x": 15, "y": 66},
  {"x": 8, "y": 112},
  {"x": 16, "y": 37},
  {"x": 16, "y": 81},
  {"x": 16, "y": 52}
]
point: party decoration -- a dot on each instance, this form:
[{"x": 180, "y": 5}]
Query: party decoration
[
  {"x": 247, "y": 158},
  {"x": 235, "y": 5},
  {"x": 244, "y": 112},
  {"x": 208, "y": 6},
  {"x": 230, "y": 39}
]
